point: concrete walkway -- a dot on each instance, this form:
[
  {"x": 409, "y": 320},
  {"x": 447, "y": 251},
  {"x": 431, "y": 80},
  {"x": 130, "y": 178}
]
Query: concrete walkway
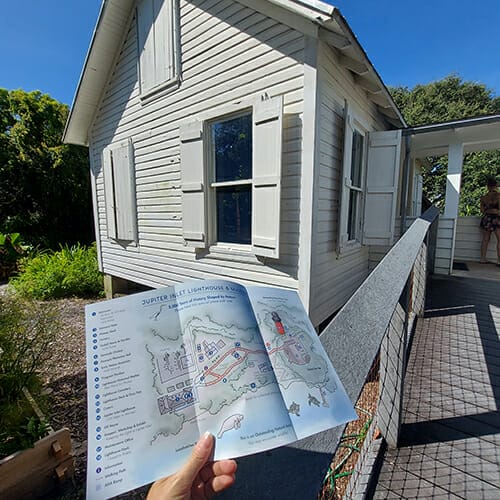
[{"x": 451, "y": 427}]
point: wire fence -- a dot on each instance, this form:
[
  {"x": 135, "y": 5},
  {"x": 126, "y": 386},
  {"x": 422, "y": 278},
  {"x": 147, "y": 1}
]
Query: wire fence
[
  {"x": 377, "y": 320},
  {"x": 389, "y": 367}
]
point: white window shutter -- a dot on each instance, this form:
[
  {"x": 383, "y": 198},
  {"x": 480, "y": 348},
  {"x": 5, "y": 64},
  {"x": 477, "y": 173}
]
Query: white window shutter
[
  {"x": 125, "y": 198},
  {"x": 384, "y": 160},
  {"x": 162, "y": 53},
  {"x": 194, "y": 220},
  {"x": 345, "y": 179},
  {"x": 109, "y": 193},
  {"x": 146, "y": 40},
  {"x": 266, "y": 176}
]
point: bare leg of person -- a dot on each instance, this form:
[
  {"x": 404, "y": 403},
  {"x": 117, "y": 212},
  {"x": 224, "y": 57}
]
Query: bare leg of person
[
  {"x": 484, "y": 243},
  {"x": 497, "y": 234}
]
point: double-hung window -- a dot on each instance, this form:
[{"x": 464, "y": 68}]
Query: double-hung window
[
  {"x": 231, "y": 178},
  {"x": 370, "y": 173},
  {"x": 231, "y": 170},
  {"x": 353, "y": 179},
  {"x": 355, "y": 186}
]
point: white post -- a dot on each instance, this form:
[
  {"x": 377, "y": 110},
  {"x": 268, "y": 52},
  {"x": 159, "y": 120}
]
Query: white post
[{"x": 455, "y": 162}]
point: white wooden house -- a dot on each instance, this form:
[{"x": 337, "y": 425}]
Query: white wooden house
[{"x": 251, "y": 140}]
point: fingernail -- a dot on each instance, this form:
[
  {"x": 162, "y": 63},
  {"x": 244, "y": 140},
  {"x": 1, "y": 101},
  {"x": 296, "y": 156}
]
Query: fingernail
[{"x": 205, "y": 441}]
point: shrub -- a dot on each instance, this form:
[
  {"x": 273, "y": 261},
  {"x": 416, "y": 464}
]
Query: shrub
[
  {"x": 11, "y": 250},
  {"x": 69, "y": 272},
  {"x": 27, "y": 330}
]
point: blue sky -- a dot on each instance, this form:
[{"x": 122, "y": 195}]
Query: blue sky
[{"x": 44, "y": 42}]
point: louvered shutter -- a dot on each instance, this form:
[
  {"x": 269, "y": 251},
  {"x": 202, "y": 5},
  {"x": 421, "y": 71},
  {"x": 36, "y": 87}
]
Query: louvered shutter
[
  {"x": 125, "y": 196},
  {"x": 266, "y": 176},
  {"x": 345, "y": 180},
  {"x": 194, "y": 220},
  {"x": 384, "y": 159},
  {"x": 109, "y": 193},
  {"x": 146, "y": 40}
]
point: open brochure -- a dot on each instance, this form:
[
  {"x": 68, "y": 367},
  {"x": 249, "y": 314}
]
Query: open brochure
[{"x": 164, "y": 366}]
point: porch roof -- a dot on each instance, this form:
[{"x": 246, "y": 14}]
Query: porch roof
[{"x": 476, "y": 134}]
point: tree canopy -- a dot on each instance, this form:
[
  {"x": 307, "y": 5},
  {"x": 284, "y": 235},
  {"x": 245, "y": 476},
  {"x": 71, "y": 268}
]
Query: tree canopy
[
  {"x": 44, "y": 184},
  {"x": 452, "y": 98}
]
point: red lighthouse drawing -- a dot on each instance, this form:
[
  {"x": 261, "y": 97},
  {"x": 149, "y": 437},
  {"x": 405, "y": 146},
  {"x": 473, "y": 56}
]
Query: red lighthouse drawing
[{"x": 277, "y": 321}]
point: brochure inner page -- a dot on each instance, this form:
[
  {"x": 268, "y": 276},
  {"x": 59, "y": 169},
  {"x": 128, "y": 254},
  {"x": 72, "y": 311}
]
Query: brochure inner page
[
  {"x": 313, "y": 395},
  {"x": 166, "y": 365}
]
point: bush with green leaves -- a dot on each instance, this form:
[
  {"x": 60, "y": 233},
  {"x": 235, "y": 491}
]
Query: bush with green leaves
[
  {"x": 69, "y": 272},
  {"x": 11, "y": 251},
  {"x": 27, "y": 330}
]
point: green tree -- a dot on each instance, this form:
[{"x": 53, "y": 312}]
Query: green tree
[
  {"x": 44, "y": 184},
  {"x": 451, "y": 99}
]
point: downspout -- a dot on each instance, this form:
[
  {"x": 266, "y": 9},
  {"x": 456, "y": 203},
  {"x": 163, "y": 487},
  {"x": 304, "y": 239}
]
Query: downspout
[{"x": 404, "y": 190}]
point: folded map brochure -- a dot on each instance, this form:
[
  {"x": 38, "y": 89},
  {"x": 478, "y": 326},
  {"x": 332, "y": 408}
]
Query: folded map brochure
[{"x": 164, "y": 366}]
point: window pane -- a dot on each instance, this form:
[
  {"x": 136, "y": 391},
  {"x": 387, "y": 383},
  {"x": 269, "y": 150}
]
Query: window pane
[
  {"x": 232, "y": 142},
  {"x": 357, "y": 158},
  {"x": 352, "y": 221},
  {"x": 234, "y": 214}
]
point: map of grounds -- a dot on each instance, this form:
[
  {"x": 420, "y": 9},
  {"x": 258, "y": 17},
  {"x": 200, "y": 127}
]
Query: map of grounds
[{"x": 205, "y": 354}]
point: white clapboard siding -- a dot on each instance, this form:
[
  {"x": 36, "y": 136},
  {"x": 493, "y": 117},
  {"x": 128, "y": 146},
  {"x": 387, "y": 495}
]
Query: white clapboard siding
[
  {"x": 334, "y": 278},
  {"x": 229, "y": 53},
  {"x": 468, "y": 241},
  {"x": 378, "y": 252},
  {"x": 444, "y": 245}
]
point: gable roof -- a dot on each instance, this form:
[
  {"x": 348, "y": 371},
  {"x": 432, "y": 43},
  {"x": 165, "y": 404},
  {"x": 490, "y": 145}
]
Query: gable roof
[{"x": 322, "y": 20}]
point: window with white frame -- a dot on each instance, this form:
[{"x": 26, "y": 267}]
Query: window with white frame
[
  {"x": 157, "y": 33},
  {"x": 355, "y": 186},
  {"x": 231, "y": 173},
  {"x": 353, "y": 175},
  {"x": 231, "y": 178}
]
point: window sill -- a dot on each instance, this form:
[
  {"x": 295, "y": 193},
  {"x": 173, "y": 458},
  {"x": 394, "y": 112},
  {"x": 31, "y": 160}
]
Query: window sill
[
  {"x": 232, "y": 248},
  {"x": 160, "y": 90},
  {"x": 123, "y": 243},
  {"x": 232, "y": 252}
]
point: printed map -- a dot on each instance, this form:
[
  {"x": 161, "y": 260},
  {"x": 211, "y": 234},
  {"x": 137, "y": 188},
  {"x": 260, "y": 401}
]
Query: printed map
[{"x": 204, "y": 369}]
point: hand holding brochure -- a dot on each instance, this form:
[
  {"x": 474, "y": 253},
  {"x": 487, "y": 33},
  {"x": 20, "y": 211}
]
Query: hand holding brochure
[{"x": 165, "y": 366}]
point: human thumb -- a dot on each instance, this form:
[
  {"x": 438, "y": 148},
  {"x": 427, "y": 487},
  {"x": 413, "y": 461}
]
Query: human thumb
[{"x": 199, "y": 457}]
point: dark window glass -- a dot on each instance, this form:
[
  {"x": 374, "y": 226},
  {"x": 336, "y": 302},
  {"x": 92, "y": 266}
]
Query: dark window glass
[
  {"x": 357, "y": 158},
  {"x": 353, "y": 215},
  {"x": 234, "y": 214},
  {"x": 232, "y": 141}
]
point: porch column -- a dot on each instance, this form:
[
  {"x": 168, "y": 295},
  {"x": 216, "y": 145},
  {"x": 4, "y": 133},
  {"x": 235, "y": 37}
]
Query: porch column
[{"x": 455, "y": 162}]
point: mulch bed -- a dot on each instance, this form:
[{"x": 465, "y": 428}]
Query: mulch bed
[{"x": 347, "y": 454}]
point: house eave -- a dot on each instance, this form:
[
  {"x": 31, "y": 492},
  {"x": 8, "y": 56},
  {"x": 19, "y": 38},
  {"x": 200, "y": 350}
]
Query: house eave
[
  {"x": 114, "y": 18},
  {"x": 112, "y": 22},
  {"x": 353, "y": 57}
]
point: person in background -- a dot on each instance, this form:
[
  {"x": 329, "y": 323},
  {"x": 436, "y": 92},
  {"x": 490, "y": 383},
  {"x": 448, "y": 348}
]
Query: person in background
[
  {"x": 199, "y": 478},
  {"x": 490, "y": 221}
]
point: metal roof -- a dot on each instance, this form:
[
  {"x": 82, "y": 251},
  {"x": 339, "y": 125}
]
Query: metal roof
[{"x": 114, "y": 20}]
